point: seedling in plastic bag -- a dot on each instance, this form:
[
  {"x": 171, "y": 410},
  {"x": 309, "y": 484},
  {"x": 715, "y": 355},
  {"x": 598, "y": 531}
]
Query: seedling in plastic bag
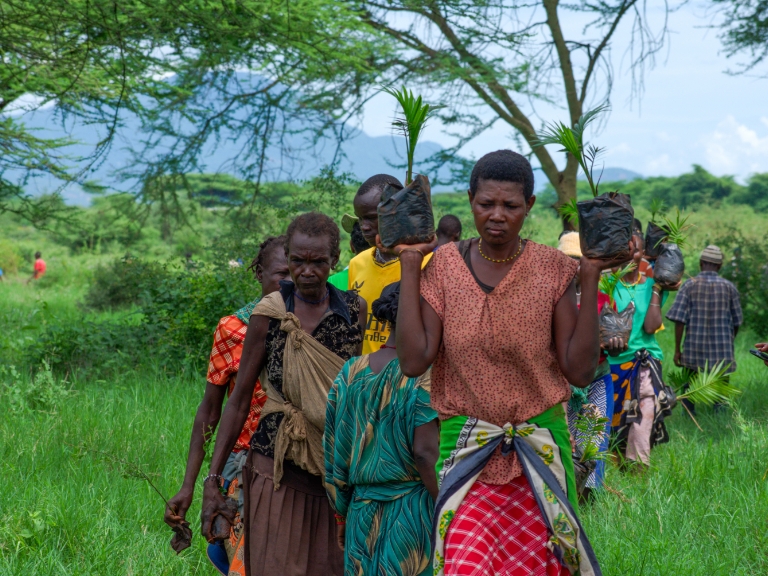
[
  {"x": 411, "y": 124},
  {"x": 572, "y": 141}
]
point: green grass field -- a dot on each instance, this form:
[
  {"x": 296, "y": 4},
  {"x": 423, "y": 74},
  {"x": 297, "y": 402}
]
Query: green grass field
[
  {"x": 71, "y": 503},
  {"x": 72, "y": 446}
]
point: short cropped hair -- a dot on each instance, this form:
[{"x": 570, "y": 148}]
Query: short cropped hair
[
  {"x": 315, "y": 225},
  {"x": 449, "y": 225},
  {"x": 378, "y": 181},
  {"x": 503, "y": 166}
]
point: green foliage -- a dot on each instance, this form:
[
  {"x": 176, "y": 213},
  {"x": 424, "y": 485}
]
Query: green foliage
[
  {"x": 609, "y": 281},
  {"x": 590, "y": 424},
  {"x": 9, "y": 258},
  {"x": 411, "y": 123},
  {"x": 572, "y": 142},
  {"x": 745, "y": 30},
  {"x": 657, "y": 207},
  {"x": 569, "y": 211},
  {"x": 42, "y": 393},
  {"x": 121, "y": 283},
  {"x": 710, "y": 386},
  {"x": 676, "y": 229},
  {"x": 183, "y": 309},
  {"x": 747, "y": 268}
]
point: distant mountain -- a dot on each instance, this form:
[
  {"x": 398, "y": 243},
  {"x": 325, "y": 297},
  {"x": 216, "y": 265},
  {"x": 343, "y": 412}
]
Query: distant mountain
[
  {"x": 363, "y": 156},
  {"x": 614, "y": 175}
]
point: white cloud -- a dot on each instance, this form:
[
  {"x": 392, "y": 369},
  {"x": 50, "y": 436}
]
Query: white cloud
[
  {"x": 27, "y": 103},
  {"x": 734, "y": 148}
]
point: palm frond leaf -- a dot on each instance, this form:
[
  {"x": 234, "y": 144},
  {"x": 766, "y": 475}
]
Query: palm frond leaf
[
  {"x": 569, "y": 212},
  {"x": 677, "y": 228},
  {"x": 658, "y": 206},
  {"x": 710, "y": 386},
  {"x": 572, "y": 141},
  {"x": 678, "y": 378},
  {"x": 411, "y": 124},
  {"x": 608, "y": 282}
]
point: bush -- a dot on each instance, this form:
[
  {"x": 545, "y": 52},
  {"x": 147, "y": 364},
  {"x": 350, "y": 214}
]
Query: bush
[
  {"x": 9, "y": 258},
  {"x": 112, "y": 345},
  {"x": 122, "y": 282},
  {"x": 748, "y": 270},
  {"x": 183, "y": 309},
  {"x": 42, "y": 393}
]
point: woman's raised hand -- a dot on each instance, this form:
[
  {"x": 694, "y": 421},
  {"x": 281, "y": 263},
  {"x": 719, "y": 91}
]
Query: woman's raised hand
[{"x": 425, "y": 247}]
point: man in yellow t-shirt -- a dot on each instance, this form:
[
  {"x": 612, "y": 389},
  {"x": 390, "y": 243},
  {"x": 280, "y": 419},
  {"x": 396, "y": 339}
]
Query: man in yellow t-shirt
[{"x": 371, "y": 271}]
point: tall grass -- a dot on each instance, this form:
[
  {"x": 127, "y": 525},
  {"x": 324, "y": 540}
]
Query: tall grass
[{"x": 69, "y": 507}]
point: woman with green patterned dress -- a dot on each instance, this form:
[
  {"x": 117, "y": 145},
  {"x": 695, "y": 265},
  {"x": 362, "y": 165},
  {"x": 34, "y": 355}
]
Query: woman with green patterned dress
[{"x": 381, "y": 444}]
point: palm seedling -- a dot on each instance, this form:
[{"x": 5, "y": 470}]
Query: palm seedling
[
  {"x": 655, "y": 234},
  {"x": 590, "y": 426},
  {"x": 411, "y": 124},
  {"x": 706, "y": 387},
  {"x": 605, "y": 221},
  {"x": 658, "y": 206},
  {"x": 608, "y": 282},
  {"x": 569, "y": 211},
  {"x": 676, "y": 229},
  {"x": 572, "y": 142},
  {"x": 670, "y": 264}
]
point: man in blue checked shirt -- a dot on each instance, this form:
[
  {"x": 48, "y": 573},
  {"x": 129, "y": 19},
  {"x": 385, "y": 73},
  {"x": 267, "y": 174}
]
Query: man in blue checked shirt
[{"x": 707, "y": 312}]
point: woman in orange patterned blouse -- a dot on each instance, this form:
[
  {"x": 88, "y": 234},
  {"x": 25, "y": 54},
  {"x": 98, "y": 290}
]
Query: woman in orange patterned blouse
[
  {"x": 270, "y": 267},
  {"x": 497, "y": 320}
]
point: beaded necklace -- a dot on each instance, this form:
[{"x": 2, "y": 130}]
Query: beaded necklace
[{"x": 505, "y": 260}]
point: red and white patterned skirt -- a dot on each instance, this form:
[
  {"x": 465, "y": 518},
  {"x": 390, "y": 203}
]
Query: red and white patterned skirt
[{"x": 499, "y": 530}]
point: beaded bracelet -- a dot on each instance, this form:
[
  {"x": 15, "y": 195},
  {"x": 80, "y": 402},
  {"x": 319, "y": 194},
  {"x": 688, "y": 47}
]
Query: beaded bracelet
[
  {"x": 340, "y": 520},
  {"x": 216, "y": 477}
]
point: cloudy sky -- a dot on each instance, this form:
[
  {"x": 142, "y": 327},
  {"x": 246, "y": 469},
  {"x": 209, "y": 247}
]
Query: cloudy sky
[{"x": 692, "y": 111}]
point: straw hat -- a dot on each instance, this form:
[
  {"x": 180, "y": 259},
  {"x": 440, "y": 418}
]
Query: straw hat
[
  {"x": 570, "y": 244},
  {"x": 712, "y": 254}
]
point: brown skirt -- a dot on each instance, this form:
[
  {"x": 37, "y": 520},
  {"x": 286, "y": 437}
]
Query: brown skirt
[{"x": 292, "y": 531}]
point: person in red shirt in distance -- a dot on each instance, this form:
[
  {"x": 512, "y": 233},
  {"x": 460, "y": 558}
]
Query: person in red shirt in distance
[{"x": 39, "y": 268}]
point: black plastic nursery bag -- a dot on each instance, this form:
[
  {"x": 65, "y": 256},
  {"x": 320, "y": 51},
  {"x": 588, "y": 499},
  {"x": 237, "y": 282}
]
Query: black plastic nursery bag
[
  {"x": 616, "y": 324},
  {"x": 670, "y": 265},
  {"x": 654, "y": 236},
  {"x": 605, "y": 226},
  {"x": 405, "y": 216}
]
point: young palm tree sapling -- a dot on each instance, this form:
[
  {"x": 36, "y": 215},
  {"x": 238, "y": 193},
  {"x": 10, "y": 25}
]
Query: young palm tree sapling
[
  {"x": 605, "y": 221},
  {"x": 405, "y": 215},
  {"x": 655, "y": 233},
  {"x": 706, "y": 387},
  {"x": 670, "y": 265},
  {"x": 615, "y": 324}
]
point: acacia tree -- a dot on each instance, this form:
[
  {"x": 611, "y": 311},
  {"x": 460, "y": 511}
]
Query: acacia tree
[
  {"x": 493, "y": 60},
  {"x": 177, "y": 66},
  {"x": 745, "y": 30}
]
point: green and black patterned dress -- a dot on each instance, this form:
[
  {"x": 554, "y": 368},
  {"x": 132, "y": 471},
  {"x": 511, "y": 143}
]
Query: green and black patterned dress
[{"x": 370, "y": 472}]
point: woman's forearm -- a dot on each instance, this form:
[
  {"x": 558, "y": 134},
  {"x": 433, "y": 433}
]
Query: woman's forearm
[
  {"x": 653, "y": 318},
  {"x": 583, "y": 351},
  {"x": 411, "y": 335},
  {"x": 232, "y": 422},
  {"x": 206, "y": 420}
]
